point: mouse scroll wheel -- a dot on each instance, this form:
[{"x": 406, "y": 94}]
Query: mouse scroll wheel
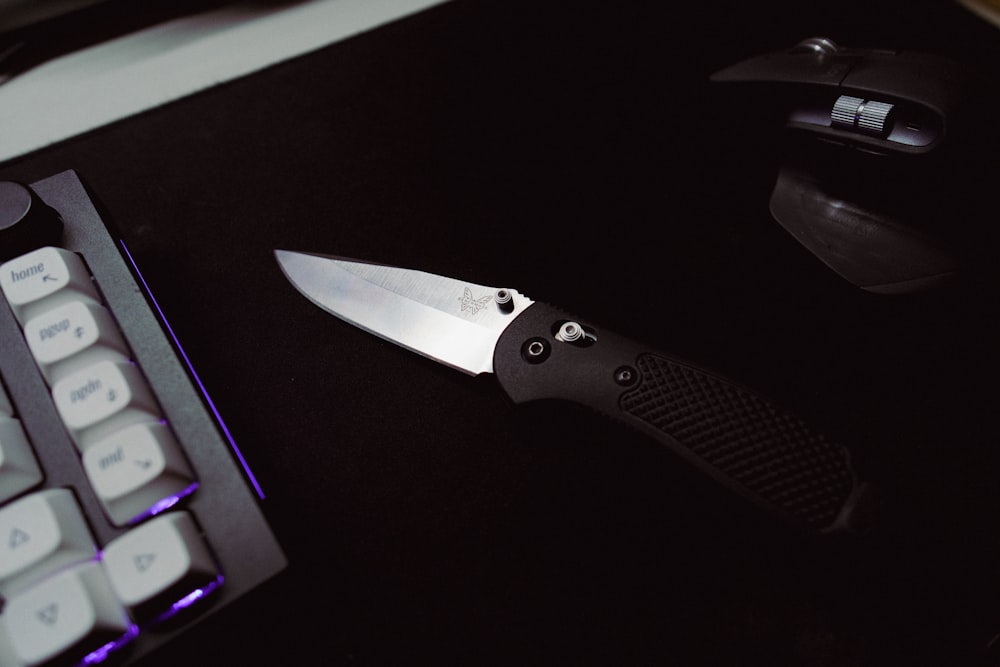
[{"x": 857, "y": 113}]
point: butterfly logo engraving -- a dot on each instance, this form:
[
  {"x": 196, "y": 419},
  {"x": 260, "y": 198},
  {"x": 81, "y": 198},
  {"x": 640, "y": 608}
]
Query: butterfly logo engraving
[{"x": 469, "y": 302}]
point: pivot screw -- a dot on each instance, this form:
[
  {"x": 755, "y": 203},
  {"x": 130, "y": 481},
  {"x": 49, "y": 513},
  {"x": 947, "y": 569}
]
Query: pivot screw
[
  {"x": 626, "y": 376},
  {"x": 504, "y": 300}
]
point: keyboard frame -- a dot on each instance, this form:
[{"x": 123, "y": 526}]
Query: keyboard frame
[{"x": 225, "y": 504}]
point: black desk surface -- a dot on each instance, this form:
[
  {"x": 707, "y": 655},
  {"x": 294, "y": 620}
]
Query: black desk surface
[{"x": 565, "y": 149}]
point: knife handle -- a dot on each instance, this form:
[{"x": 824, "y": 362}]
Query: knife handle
[{"x": 742, "y": 439}]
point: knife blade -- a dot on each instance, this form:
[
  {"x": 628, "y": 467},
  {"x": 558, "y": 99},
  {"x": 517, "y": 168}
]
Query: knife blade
[{"x": 738, "y": 437}]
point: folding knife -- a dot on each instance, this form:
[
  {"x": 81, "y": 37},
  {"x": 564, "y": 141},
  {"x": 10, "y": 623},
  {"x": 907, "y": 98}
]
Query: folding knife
[{"x": 736, "y": 436}]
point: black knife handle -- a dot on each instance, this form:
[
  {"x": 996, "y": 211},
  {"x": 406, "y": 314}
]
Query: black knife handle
[{"x": 735, "y": 435}]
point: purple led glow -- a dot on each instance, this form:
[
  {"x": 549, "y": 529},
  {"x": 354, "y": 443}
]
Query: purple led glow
[
  {"x": 189, "y": 599},
  {"x": 101, "y": 654},
  {"x": 164, "y": 505},
  {"x": 194, "y": 374}
]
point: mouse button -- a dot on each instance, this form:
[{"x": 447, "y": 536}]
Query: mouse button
[
  {"x": 932, "y": 82},
  {"x": 788, "y": 68}
]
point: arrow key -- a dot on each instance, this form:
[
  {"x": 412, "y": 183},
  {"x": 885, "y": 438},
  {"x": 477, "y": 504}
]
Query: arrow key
[
  {"x": 161, "y": 567},
  {"x": 73, "y": 613},
  {"x": 39, "y": 534}
]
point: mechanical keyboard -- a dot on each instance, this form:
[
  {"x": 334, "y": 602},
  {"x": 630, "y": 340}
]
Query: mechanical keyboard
[{"x": 125, "y": 505}]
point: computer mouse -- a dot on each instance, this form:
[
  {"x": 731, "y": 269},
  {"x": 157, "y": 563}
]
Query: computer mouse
[{"x": 882, "y": 156}]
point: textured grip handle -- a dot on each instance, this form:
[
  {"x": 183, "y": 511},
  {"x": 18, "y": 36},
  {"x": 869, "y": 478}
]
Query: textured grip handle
[
  {"x": 743, "y": 437},
  {"x": 728, "y": 431}
]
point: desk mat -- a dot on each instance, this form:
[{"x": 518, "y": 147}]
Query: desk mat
[{"x": 569, "y": 150}]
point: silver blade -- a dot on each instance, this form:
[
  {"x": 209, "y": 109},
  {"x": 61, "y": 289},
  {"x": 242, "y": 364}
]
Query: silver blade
[{"x": 455, "y": 322}]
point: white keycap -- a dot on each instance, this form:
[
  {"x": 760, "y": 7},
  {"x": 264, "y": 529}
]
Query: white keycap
[
  {"x": 160, "y": 564},
  {"x": 137, "y": 468},
  {"x": 44, "y": 278},
  {"x": 102, "y": 398},
  {"x": 6, "y": 407},
  {"x": 18, "y": 468},
  {"x": 72, "y": 614},
  {"x": 39, "y": 534},
  {"x": 71, "y": 336}
]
